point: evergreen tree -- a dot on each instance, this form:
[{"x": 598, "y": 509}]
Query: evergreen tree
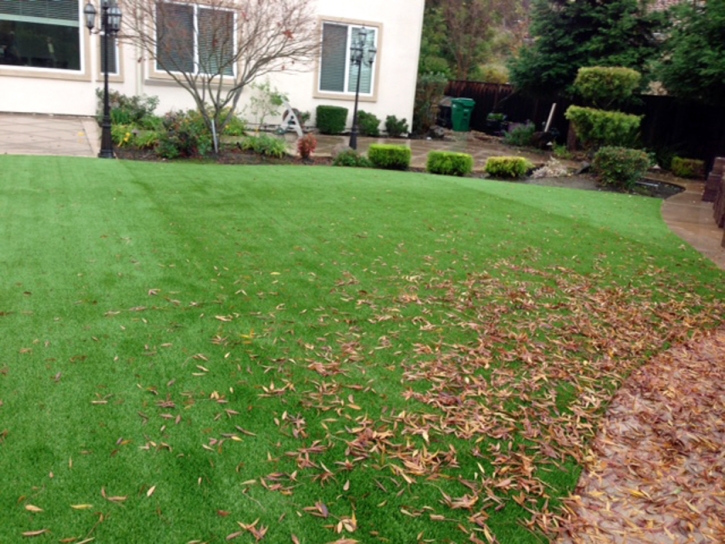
[
  {"x": 693, "y": 65},
  {"x": 570, "y": 34}
]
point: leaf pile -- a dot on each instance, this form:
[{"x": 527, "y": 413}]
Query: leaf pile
[{"x": 659, "y": 469}]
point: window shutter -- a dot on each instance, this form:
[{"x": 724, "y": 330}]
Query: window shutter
[
  {"x": 175, "y": 37},
  {"x": 333, "y": 58}
]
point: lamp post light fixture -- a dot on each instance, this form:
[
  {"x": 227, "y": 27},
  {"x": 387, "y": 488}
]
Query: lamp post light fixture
[
  {"x": 361, "y": 52},
  {"x": 110, "y": 25}
]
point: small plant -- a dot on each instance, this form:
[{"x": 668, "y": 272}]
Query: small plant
[
  {"x": 351, "y": 158},
  {"x": 620, "y": 167},
  {"x": 561, "y": 152},
  {"x": 368, "y": 124},
  {"x": 520, "y": 136},
  {"x": 265, "y": 145},
  {"x": 552, "y": 169},
  {"x": 449, "y": 164},
  {"x": 688, "y": 168},
  {"x": 306, "y": 146},
  {"x": 507, "y": 167},
  {"x": 389, "y": 157},
  {"x": 331, "y": 119},
  {"x": 235, "y": 126},
  {"x": 185, "y": 134},
  {"x": 396, "y": 127},
  {"x": 265, "y": 102},
  {"x": 121, "y": 134}
]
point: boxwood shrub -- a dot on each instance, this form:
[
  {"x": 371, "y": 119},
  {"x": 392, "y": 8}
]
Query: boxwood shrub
[
  {"x": 507, "y": 167},
  {"x": 620, "y": 167},
  {"x": 368, "y": 124},
  {"x": 448, "y": 163},
  {"x": 331, "y": 119},
  {"x": 389, "y": 157},
  {"x": 688, "y": 168}
]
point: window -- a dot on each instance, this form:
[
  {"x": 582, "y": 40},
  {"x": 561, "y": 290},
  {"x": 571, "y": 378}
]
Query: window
[
  {"x": 113, "y": 68},
  {"x": 41, "y": 34},
  {"x": 194, "y": 39},
  {"x": 337, "y": 73}
]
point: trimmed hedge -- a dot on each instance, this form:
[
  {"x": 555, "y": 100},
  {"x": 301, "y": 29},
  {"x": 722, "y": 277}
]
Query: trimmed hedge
[
  {"x": 507, "y": 167},
  {"x": 447, "y": 163},
  {"x": 596, "y": 128},
  {"x": 603, "y": 86},
  {"x": 620, "y": 167},
  {"x": 331, "y": 119},
  {"x": 389, "y": 157},
  {"x": 688, "y": 168}
]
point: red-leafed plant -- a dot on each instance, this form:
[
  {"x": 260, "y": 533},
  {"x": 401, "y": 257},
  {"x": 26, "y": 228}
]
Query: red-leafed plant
[{"x": 306, "y": 146}]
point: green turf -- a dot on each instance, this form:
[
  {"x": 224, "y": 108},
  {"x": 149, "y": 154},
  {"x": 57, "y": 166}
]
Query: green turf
[{"x": 175, "y": 334}]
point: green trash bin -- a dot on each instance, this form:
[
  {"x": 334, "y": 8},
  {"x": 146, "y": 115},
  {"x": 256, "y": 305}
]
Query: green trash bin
[{"x": 461, "y": 111}]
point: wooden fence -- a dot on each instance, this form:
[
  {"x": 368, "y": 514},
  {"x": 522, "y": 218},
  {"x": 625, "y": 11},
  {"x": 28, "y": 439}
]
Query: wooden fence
[{"x": 673, "y": 126}]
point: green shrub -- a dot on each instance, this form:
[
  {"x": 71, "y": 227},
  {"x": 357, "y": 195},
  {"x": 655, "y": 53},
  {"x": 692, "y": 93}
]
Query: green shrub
[
  {"x": 265, "y": 145},
  {"x": 449, "y": 164},
  {"x": 121, "y": 134},
  {"x": 521, "y": 136},
  {"x": 235, "y": 127},
  {"x": 352, "y": 158},
  {"x": 492, "y": 73},
  {"x": 396, "y": 127},
  {"x": 331, "y": 119},
  {"x": 507, "y": 167},
  {"x": 604, "y": 86},
  {"x": 128, "y": 110},
  {"x": 620, "y": 167},
  {"x": 596, "y": 128},
  {"x": 145, "y": 139},
  {"x": 368, "y": 124},
  {"x": 688, "y": 168},
  {"x": 389, "y": 157},
  {"x": 184, "y": 135}
]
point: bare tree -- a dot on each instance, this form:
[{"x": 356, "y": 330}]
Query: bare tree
[
  {"x": 215, "y": 48},
  {"x": 470, "y": 27}
]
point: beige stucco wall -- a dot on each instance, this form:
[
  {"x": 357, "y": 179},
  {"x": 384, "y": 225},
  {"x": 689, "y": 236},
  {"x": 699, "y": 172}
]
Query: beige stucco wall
[{"x": 400, "y": 22}]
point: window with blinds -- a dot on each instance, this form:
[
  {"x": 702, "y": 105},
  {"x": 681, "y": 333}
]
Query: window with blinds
[
  {"x": 194, "y": 39},
  {"x": 337, "y": 74},
  {"x": 41, "y": 34}
]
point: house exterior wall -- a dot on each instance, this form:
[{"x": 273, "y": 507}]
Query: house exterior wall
[{"x": 36, "y": 90}]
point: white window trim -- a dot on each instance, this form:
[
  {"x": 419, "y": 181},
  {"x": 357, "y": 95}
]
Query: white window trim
[
  {"x": 56, "y": 73},
  {"x": 157, "y": 70}
]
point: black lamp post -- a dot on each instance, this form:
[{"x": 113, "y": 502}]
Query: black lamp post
[
  {"x": 360, "y": 53},
  {"x": 110, "y": 25}
]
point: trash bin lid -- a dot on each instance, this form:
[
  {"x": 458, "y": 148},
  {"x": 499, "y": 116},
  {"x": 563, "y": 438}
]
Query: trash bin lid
[{"x": 464, "y": 101}]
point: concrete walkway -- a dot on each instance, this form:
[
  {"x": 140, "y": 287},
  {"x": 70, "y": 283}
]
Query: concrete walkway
[
  {"x": 686, "y": 215},
  {"x": 48, "y": 135},
  {"x": 692, "y": 220}
]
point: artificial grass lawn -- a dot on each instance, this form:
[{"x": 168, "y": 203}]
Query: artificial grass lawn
[{"x": 336, "y": 353}]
